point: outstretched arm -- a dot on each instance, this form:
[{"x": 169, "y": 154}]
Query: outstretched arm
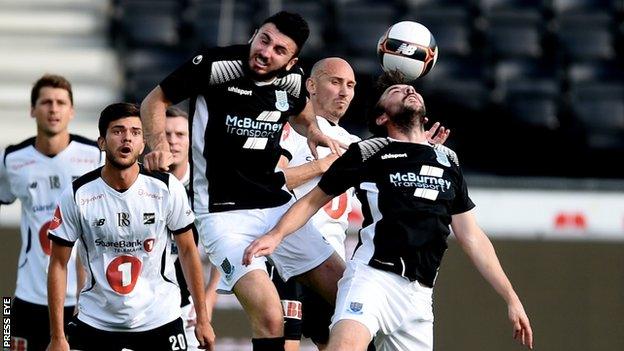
[
  {"x": 57, "y": 286},
  {"x": 192, "y": 268},
  {"x": 298, "y": 175},
  {"x": 479, "y": 249},
  {"x": 298, "y": 214},
  {"x": 153, "y": 109}
]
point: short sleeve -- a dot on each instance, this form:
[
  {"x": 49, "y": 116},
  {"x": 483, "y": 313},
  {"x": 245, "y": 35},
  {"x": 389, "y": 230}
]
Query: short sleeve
[
  {"x": 180, "y": 217},
  {"x": 188, "y": 79},
  {"x": 65, "y": 228},
  {"x": 344, "y": 173},
  {"x": 6, "y": 196},
  {"x": 290, "y": 142},
  {"x": 462, "y": 201}
]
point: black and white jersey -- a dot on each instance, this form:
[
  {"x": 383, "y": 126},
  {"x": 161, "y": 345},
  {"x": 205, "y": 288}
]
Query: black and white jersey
[
  {"x": 131, "y": 281},
  {"x": 408, "y": 192},
  {"x": 37, "y": 181},
  {"x": 236, "y": 124}
]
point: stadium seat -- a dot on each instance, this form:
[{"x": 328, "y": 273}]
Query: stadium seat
[
  {"x": 595, "y": 71},
  {"x": 533, "y": 103},
  {"x": 450, "y": 26},
  {"x": 315, "y": 14},
  {"x": 217, "y": 24},
  {"x": 514, "y": 33},
  {"x": 586, "y": 37},
  {"x": 362, "y": 24},
  {"x": 599, "y": 107},
  {"x": 521, "y": 69},
  {"x": 563, "y": 7},
  {"x": 146, "y": 23}
]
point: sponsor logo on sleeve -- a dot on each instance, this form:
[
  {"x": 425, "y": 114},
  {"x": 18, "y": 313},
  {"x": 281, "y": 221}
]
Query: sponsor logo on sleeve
[{"x": 57, "y": 220}]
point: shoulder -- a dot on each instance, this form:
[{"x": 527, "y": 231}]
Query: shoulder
[
  {"x": 226, "y": 62},
  {"x": 162, "y": 177},
  {"x": 444, "y": 151},
  {"x": 86, "y": 179},
  {"x": 371, "y": 147},
  {"x": 11, "y": 149},
  {"x": 82, "y": 140},
  {"x": 291, "y": 81}
]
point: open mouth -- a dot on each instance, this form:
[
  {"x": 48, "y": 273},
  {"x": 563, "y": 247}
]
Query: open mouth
[
  {"x": 260, "y": 62},
  {"x": 125, "y": 150}
]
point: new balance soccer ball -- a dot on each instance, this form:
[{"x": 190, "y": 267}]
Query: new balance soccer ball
[{"x": 408, "y": 47}]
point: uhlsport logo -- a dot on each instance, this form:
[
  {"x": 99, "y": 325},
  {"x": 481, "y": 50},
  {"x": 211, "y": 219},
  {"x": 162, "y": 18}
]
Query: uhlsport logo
[
  {"x": 240, "y": 91},
  {"x": 391, "y": 156}
]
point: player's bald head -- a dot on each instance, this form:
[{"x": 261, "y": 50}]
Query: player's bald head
[{"x": 329, "y": 66}]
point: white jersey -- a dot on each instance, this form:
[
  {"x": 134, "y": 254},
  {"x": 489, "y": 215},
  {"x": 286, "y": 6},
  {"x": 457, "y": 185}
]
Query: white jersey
[
  {"x": 332, "y": 220},
  {"x": 38, "y": 181},
  {"x": 131, "y": 283}
]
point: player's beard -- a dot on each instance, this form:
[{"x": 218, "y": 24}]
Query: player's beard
[
  {"x": 408, "y": 118},
  {"x": 121, "y": 165},
  {"x": 267, "y": 76}
]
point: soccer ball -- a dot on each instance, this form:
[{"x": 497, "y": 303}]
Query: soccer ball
[{"x": 408, "y": 47}]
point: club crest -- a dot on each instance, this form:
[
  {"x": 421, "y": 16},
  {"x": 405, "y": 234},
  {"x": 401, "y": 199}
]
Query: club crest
[
  {"x": 228, "y": 269},
  {"x": 281, "y": 100},
  {"x": 442, "y": 158},
  {"x": 356, "y": 307}
]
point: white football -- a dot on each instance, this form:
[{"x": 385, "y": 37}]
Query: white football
[{"x": 408, "y": 47}]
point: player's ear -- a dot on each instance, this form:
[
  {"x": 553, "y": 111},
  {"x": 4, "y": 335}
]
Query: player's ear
[
  {"x": 101, "y": 143},
  {"x": 291, "y": 63},
  {"x": 311, "y": 86},
  {"x": 382, "y": 119},
  {"x": 253, "y": 36}
]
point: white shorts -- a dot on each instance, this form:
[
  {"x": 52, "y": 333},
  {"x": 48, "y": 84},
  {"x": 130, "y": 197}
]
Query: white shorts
[
  {"x": 225, "y": 235},
  {"x": 396, "y": 311}
]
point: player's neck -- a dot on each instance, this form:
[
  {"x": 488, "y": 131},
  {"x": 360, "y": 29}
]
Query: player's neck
[
  {"x": 180, "y": 170},
  {"x": 414, "y": 135},
  {"x": 120, "y": 179},
  {"x": 51, "y": 145},
  {"x": 328, "y": 116}
]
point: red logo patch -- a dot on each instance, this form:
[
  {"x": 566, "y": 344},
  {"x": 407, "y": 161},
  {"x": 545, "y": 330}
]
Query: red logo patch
[
  {"x": 148, "y": 245},
  {"x": 57, "y": 220}
]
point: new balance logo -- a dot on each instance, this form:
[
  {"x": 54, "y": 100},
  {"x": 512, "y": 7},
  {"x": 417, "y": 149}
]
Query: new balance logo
[
  {"x": 99, "y": 222},
  {"x": 406, "y": 49}
]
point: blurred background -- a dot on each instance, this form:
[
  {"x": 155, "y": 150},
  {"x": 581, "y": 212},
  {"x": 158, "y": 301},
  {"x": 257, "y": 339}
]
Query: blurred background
[{"x": 533, "y": 91}]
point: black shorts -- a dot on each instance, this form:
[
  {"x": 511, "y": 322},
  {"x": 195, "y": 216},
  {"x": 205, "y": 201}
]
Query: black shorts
[
  {"x": 30, "y": 325},
  {"x": 305, "y": 312},
  {"x": 169, "y": 337}
]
